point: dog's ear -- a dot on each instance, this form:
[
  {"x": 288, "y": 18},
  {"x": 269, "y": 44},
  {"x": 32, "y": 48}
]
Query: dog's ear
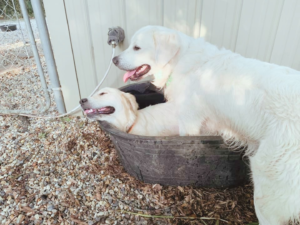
[
  {"x": 166, "y": 46},
  {"x": 131, "y": 101}
]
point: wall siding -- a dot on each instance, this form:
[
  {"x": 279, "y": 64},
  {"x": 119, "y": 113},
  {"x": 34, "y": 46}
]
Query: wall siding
[
  {"x": 267, "y": 30},
  {"x": 63, "y": 52},
  {"x": 257, "y": 29},
  {"x": 286, "y": 47}
]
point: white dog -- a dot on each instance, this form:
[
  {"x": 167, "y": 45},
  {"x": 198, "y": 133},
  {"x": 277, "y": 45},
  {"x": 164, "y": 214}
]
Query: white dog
[
  {"x": 248, "y": 101},
  {"x": 121, "y": 110}
]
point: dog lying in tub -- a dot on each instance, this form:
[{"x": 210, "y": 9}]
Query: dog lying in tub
[{"x": 121, "y": 110}]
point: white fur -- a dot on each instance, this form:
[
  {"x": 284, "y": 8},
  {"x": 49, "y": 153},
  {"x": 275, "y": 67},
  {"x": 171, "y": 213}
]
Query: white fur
[
  {"x": 248, "y": 101},
  {"x": 157, "y": 120}
]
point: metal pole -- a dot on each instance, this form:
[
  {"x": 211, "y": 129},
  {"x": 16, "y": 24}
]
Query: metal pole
[
  {"x": 46, "y": 44},
  {"x": 38, "y": 64}
]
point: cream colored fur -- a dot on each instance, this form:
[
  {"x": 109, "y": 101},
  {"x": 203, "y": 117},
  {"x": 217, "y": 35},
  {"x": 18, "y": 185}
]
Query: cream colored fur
[{"x": 157, "y": 120}]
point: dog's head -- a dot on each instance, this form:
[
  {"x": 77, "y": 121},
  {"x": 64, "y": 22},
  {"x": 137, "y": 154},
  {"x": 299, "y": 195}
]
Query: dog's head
[
  {"x": 150, "y": 50},
  {"x": 113, "y": 106}
]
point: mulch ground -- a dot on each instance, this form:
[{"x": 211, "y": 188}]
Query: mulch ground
[{"x": 66, "y": 171}]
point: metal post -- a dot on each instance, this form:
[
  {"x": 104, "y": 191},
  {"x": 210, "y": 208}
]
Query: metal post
[{"x": 46, "y": 44}]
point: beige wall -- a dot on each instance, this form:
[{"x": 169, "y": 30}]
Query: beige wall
[{"x": 268, "y": 30}]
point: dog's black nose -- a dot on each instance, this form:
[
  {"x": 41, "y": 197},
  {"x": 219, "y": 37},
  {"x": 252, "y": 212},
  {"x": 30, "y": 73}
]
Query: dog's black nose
[
  {"x": 82, "y": 101},
  {"x": 116, "y": 60}
]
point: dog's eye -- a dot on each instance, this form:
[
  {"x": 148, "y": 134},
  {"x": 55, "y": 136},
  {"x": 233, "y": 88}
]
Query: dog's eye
[
  {"x": 136, "y": 48},
  {"x": 103, "y": 93}
]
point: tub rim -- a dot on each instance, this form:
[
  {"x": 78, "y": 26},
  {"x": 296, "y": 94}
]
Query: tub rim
[{"x": 106, "y": 126}]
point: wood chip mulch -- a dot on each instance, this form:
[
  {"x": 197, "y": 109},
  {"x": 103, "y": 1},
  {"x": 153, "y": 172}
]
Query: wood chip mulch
[{"x": 66, "y": 171}]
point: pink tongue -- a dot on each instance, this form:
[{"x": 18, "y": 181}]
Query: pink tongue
[
  {"x": 127, "y": 75},
  {"x": 87, "y": 111}
]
